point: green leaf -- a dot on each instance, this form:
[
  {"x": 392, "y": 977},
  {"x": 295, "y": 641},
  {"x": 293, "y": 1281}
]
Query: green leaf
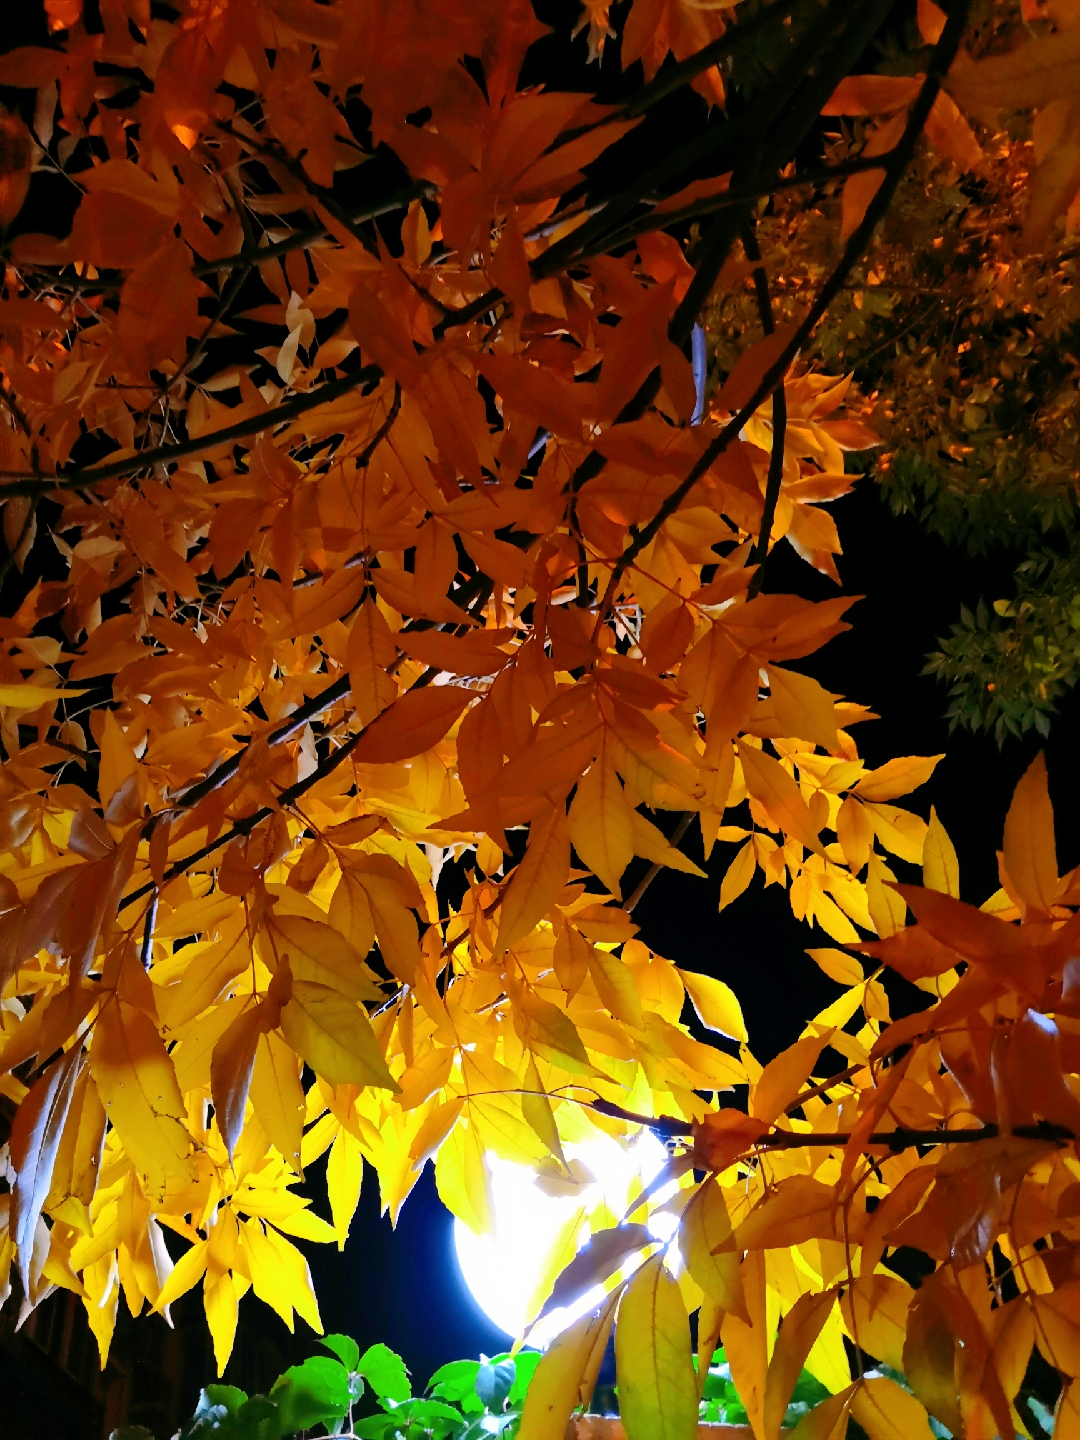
[
  {"x": 228, "y": 1395},
  {"x": 457, "y": 1382},
  {"x": 527, "y": 1361},
  {"x": 257, "y": 1419},
  {"x": 374, "y": 1427},
  {"x": 345, "y": 1348},
  {"x": 226, "y": 1412},
  {"x": 494, "y": 1383},
  {"x": 385, "y": 1372},
  {"x": 311, "y": 1393}
]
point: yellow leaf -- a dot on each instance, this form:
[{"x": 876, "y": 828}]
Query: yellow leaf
[
  {"x": 292, "y": 1266},
  {"x": 268, "y": 1278},
  {"x": 601, "y": 819},
  {"x": 875, "y": 1310},
  {"x": 784, "y": 1077},
  {"x": 220, "y": 1304},
  {"x": 344, "y": 1176},
  {"x": 838, "y": 965},
  {"x": 36, "y": 1134},
  {"x": 565, "y": 1377},
  {"x": 319, "y": 953},
  {"x": 210, "y": 968},
  {"x": 1029, "y": 850},
  {"x": 897, "y": 777},
  {"x": 800, "y": 1329},
  {"x": 1012, "y": 1328},
  {"x": 887, "y": 909},
  {"x": 536, "y": 1108},
  {"x": 137, "y": 1084},
  {"x": 230, "y": 1073},
  {"x": 78, "y": 1159},
  {"x": 537, "y": 880},
  {"x": 901, "y": 832},
  {"x": 1067, "y": 1413},
  {"x": 614, "y": 983},
  {"x": 827, "y": 1421},
  {"x": 277, "y": 1097},
  {"x": 390, "y": 897},
  {"x": 650, "y": 842},
  {"x": 605, "y": 1254},
  {"x": 797, "y": 706},
  {"x": 29, "y": 697},
  {"x": 704, "y": 1229},
  {"x": 571, "y": 960},
  {"x": 316, "y": 606},
  {"x": 1057, "y": 1329},
  {"x": 771, "y": 785},
  {"x": 549, "y": 1031},
  {"x": 561, "y": 1252},
  {"x": 186, "y": 1273},
  {"x": 334, "y": 1036},
  {"x": 716, "y": 1004},
  {"x": 887, "y": 1412},
  {"x": 350, "y": 912},
  {"x": 738, "y": 875},
  {"x": 434, "y": 1131},
  {"x": 941, "y": 869},
  {"x": 855, "y": 832},
  {"x": 462, "y": 1179},
  {"x": 657, "y": 1384},
  {"x": 746, "y": 1342},
  {"x": 116, "y": 762},
  {"x": 828, "y": 1359},
  {"x": 369, "y": 651}
]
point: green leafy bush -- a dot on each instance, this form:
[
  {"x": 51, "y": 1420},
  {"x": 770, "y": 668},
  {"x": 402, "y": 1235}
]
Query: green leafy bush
[{"x": 464, "y": 1400}]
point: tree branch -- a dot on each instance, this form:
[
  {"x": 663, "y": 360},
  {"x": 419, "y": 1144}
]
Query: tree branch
[
  {"x": 654, "y": 869},
  {"x": 14, "y": 483},
  {"x": 760, "y": 552},
  {"x": 943, "y": 55},
  {"x": 301, "y": 239},
  {"x": 899, "y": 1139}
]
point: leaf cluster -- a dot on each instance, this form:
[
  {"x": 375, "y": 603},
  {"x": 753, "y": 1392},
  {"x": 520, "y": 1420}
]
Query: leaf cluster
[
  {"x": 961, "y": 328},
  {"x": 376, "y": 656}
]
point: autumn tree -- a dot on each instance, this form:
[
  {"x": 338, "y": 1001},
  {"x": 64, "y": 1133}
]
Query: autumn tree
[
  {"x": 412, "y": 580},
  {"x": 959, "y": 323}
]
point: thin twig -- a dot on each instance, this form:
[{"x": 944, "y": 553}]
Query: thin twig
[
  {"x": 654, "y": 869},
  {"x": 898, "y": 1139}
]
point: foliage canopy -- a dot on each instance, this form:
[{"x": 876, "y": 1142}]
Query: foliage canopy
[{"x": 374, "y": 654}]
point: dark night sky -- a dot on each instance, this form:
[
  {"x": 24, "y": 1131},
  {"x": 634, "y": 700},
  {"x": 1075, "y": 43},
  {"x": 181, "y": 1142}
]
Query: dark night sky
[{"x": 402, "y": 1286}]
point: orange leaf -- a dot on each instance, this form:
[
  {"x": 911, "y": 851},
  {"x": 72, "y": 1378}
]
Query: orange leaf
[
  {"x": 750, "y": 369},
  {"x": 771, "y": 785},
  {"x": 411, "y": 725},
  {"x": 1029, "y": 850},
  {"x": 537, "y": 880}
]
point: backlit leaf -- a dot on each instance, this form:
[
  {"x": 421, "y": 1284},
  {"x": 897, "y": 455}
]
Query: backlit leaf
[
  {"x": 657, "y": 1386},
  {"x": 334, "y": 1036}
]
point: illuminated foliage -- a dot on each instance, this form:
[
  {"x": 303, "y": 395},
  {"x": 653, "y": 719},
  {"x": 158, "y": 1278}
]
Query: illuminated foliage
[{"x": 375, "y": 654}]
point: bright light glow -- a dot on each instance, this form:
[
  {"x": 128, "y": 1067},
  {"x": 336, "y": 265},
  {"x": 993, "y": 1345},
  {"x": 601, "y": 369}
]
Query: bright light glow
[{"x": 503, "y": 1270}]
